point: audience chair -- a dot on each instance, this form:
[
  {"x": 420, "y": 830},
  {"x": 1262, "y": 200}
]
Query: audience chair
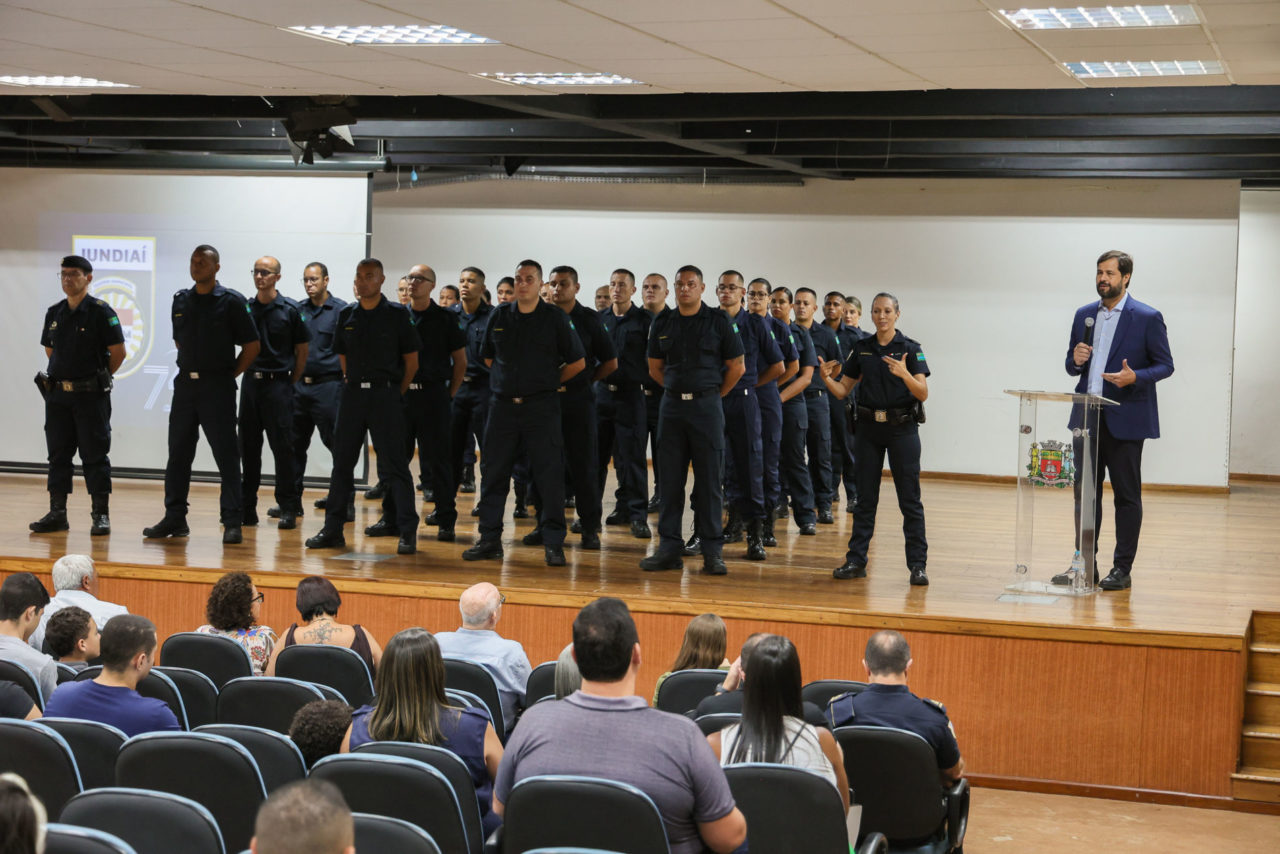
[
  {"x": 465, "y": 699},
  {"x": 22, "y": 676},
  {"x": 453, "y": 769},
  {"x": 683, "y": 690},
  {"x": 789, "y": 810},
  {"x": 219, "y": 658},
  {"x": 156, "y": 685},
  {"x": 66, "y": 673},
  {"x": 468, "y": 676},
  {"x": 820, "y": 691},
  {"x": 716, "y": 721},
  {"x": 560, "y": 849},
  {"x": 560, "y": 810},
  {"x": 265, "y": 701},
  {"x": 68, "y": 839},
  {"x": 42, "y": 757},
  {"x": 399, "y": 788},
  {"x": 874, "y": 843},
  {"x": 541, "y": 683},
  {"x": 279, "y": 759},
  {"x": 893, "y": 775},
  {"x": 213, "y": 771},
  {"x": 336, "y": 666},
  {"x": 152, "y": 822},
  {"x": 95, "y": 746},
  {"x": 199, "y": 694},
  {"x": 381, "y": 833}
]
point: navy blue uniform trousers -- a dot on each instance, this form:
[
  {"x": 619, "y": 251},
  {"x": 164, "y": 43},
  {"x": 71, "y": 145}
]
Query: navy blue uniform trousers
[
  {"x": 744, "y": 481},
  {"x": 315, "y": 409},
  {"x": 818, "y": 442},
  {"x": 793, "y": 471},
  {"x": 208, "y": 403},
  {"x": 78, "y": 420},
  {"x": 691, "y": 431},
  {"x": 534, "y": 424},
  {"x": 902, "y": 442},
  {"x": 468, "y": 416},
  {"x": 841, "y": 451},
  {"x": 267, "y": 405},
  {"x": 377, "y": 411},
  {"x": 771, "y": 448},
  {"x": 624, "y": 430},
  {"x": 578, "y": 433},
  {"x": 428, "y": 423}
]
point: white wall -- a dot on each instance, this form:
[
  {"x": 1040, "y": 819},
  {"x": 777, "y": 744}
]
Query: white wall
[
  {"x": 1255, "y": 406},
  {"x": 988, "y": 274}
]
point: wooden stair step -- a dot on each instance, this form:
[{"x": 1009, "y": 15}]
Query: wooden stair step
[
  {"x": 1251, "y": 783},
  {"x": 1260, "y": 746},
  {"x": 1263, "y": 689},
  {"x": 1266, "y": 628}
]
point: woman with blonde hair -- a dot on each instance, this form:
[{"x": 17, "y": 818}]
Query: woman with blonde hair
[{"x": 705, "y": 640}]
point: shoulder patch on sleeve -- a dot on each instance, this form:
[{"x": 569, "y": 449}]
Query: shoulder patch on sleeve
[
  {"x": 920, "y": 356},
  {"x": 936, "y": 705},
  {"x": 114, "y": 321}
]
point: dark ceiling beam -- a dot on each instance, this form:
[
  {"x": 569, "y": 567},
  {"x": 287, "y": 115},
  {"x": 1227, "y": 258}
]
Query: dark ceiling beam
[
  {"x": 1015, "y": 147},
  {"x": 1017, "y": 165}
]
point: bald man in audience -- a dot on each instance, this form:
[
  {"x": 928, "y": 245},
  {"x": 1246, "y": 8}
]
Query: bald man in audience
[
  {"x": 476, "y": 640},
  {"x": 306, "y": 817}
]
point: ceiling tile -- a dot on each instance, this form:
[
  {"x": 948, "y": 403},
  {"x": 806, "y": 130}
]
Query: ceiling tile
[
  {"x": 885, "y": 8},
  {"x": 967, "y": 58},
  {"x": 818, "y": 49},
  {"x": 1057, "y": 41},
  {"x": 1248, "y": 14},
  {"x": 1248, "y": 35},
  {"x": 682, "y": 10},
  {"x": 744, "y": 29},
  {"x": 955, "y": 23}
]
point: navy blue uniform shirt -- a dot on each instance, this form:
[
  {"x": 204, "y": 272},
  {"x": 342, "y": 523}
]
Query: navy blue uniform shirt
[
  {"x": 473, "y": 327},
  {"x": 759, "y": 350},
  {"x": 827, "y": 349},
  {"x": 649, "y": 382},
  {"x": 597, "y": 345},
  {"x": 807, "y": 356},
  {"x": 528, "y": 350},
  {"x": 322, "y": 323},
  {"x": 781, "y": 335},
  {"x": 208, "y": 327},
  {"x": 280, "y": 329},
  {"x": 439, "y": 334},
  {"x": 630, "y": 333},
  {"x": 895, "y": 706},
  {"x": 879, "y": 388},
  {"x": 80, "y": 338},
  {"x": 693, "y": 349},
  {"x": 847, "y": 336},
  {"x": 374, "y": 341}
]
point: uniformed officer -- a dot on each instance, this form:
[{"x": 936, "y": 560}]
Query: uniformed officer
[
  {"x": 771, "y": 401},
  {"x": 620, "y": 408},
  {"x": 266, "y": 393},
  {"x": 208, "y": 322},
  {"x": 532, "y": 350},
  {"x": 470, "y": 407},
  {"x": 578, "y": 408},
  {"x": 793, "y": 472},
  {"x": 84, "y": 344},
  {"x": 653, "y": 298},
  {"x": 449, "y": 295},
  {"x": 442, "y": 362},
  {"x": 890, "y": 370},
  {"x": 762, "y": 361},
  {"x": 696, "y": 355},
  {"x": 378, "y": 350},
  {"x": 604, "y": 298},
  {"x": 841, "y": 443},
  {"x": 818, "y": 438}
]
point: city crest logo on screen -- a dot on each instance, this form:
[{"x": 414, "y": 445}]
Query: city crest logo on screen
[{"x": 124, "y": 277}]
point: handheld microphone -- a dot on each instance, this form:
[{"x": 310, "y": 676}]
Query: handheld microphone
[{"x": 1088, "y": 331}]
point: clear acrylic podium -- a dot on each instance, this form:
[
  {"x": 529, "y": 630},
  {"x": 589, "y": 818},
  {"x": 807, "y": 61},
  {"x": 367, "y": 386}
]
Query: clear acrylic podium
[{"x": 1057, "y": 454}]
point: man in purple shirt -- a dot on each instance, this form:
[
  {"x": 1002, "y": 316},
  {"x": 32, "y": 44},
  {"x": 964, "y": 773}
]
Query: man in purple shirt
[
  {"x": 128, "y": 646},
  {"x": 605, "y": 730}
]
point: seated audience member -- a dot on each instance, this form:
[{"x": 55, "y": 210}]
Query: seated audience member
[
  {"x": 73, "y": 637},
  {"x": 306, "y": 817},
  {"x": 16, "y": 703},
  {"x": 887, "y": 702},
  {"x": 477, "y": 640},
  {"x": 128, "y": 651},
  {"x": 233, "y": 609},
  {"x": 22, "y": 601},
  {"x": 22, "y": 817},
  {"x": 568, "y": 677},
  {"x": 410, "y": 705},
  {"x": 729, "y": 695},
  {"x": 75, "y": 582},
  {"x": 318, "y": 729},
  {"x": 703, "y": 648},
  {"x": 604, "y": 730},
  {"x": 771, "y": 729},
  {"x": 318, "y": 602}
]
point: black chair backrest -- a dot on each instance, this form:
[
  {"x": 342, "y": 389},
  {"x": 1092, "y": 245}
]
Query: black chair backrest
[
  {"x": 563, "y": 849},
  {"x": 264, "y": 701},
  {"x": 893, "y": 775},
  {"x": 199, "y": 694},
  {"x": 68, "y": 839},
  {"x": 541, "y": 683},
  {"x": 454, "y": 770},
  {"x": 683, "y": 690},
  {"x": 384, "y": 833},
  {"x": 400, "y": 788},
  {"x": 156, "y": 685},
  {"x": 95, "y": 747},
  {"x": 789, "y": 810},
  {"x": 717, "y": 721},
  {"x": 43, "y": 758},
  {"x": 152, "y": 822},
  {"x": 582, "y": 811},
  {"x": 336, "y": 666},
  {"x": 468, "y": 676},
  {"x": 21, "y": 675},
  {"x": 465, "y": 699},
  {"x": 820, "y": 691},
  {"x": 279, "y": 759},
  {"x": 219, "y": 658},
  {"x": 66, "y": 673},
  {"x": 213, "y": 771}
]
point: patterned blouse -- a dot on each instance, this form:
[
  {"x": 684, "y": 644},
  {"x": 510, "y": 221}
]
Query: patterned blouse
[{"x": 257, "y": 640}]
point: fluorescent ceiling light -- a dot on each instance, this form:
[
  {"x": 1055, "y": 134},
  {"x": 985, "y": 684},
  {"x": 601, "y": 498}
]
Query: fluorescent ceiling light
[
  {"x": 570, "y": 78},
  {"x": 1170, "y": 68},
  {"x": 1086, "y": 17},
  {"x": 410, "y": 34},
  {"x": 59, "y": 82}
]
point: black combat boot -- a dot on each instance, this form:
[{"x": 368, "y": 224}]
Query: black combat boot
[
  {"x": 733, "y": 526},
  {"x": 99, "y": 516},
  {"x": 755, "y": 535},
  {"x": 56, "y": 518}
]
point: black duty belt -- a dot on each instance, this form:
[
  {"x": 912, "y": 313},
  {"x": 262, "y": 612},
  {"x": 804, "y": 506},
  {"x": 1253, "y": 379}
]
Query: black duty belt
[
  {"x": 624, "y": 387},
  {"x": 421, "y": 386},
  {"x": 270, "y": 375},
  {"x": 524, "y": 398},
  {"x": 89, "y": 384},
  {"x": 484, "y": 380},
  {"x": 814, "y": 392},
  {"x": 694, "y": 395},
  {"x": 315, "y": 379},
  {"x": 367, "y": 384},
  {"x": 886, "y": 416},
  {"x": 652, "y": 392},
  {"x": 204, "y": 375}
]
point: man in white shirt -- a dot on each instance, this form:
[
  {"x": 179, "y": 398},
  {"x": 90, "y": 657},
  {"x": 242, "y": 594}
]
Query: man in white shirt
[
  {"x": 476, "y": 640},
  {"x": 75, "y": 582},
  {"x": 22, "y": 601}
]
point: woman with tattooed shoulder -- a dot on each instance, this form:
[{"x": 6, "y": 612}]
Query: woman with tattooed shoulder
[{"x": 318, "y": 602}]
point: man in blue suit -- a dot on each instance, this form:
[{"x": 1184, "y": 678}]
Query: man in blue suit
[{"x": 1121, "y": 356}]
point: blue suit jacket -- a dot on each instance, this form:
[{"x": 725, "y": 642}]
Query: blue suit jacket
[{"x": 1141, "y": 338}]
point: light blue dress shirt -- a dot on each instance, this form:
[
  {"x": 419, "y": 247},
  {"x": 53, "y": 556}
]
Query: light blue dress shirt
[
  {"x": 502, "y": 657},
  {"x": 1104, "y": 331}
]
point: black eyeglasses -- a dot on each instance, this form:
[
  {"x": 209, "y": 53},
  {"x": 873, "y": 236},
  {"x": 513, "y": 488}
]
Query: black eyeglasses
[
  {"x": 416, "y": 279},
  {"x": 502, "y": 598},
  {"x": 259, "y": 598},
  {"x": 258, "y": 272}
]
